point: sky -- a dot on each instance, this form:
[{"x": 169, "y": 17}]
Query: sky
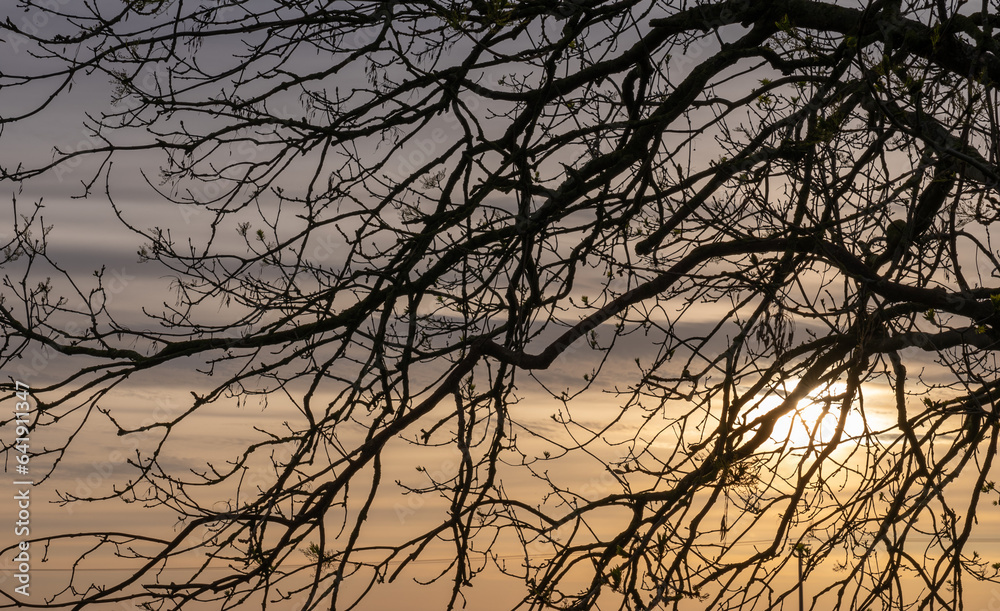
[{"x": 86, "y": 237}]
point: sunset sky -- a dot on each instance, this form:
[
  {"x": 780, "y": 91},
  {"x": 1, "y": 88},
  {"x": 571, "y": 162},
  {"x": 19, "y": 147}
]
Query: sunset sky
[{"x": 86, "y": 239}]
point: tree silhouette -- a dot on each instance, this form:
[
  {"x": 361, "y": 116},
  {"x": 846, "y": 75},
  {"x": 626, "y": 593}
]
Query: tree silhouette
[{"x": 674, "y": 245}]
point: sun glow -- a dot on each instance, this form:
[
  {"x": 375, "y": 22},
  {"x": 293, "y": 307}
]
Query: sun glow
[{"x": 816, "y": 420}]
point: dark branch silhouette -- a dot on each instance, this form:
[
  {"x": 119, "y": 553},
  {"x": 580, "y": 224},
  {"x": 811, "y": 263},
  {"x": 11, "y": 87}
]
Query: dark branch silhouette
[{"x": 445, "y": 232}]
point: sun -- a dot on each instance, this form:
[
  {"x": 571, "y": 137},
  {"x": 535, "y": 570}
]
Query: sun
[{"x": 816, "y": 419}]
